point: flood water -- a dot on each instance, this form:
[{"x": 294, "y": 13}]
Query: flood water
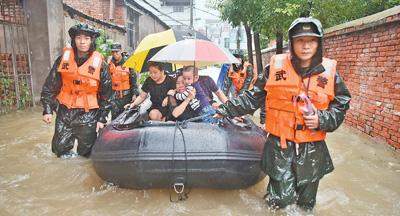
[{"x": 366, "y": 181}]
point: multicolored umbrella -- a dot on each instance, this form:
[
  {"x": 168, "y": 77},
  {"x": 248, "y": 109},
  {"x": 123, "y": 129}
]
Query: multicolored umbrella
[
  {"x": 194, "y": 52},
  {"x": 153, "y": 43}
]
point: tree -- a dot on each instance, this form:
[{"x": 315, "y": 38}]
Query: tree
[
  {"x": 332, "y": 13},
  {"x": 272, "y": 18},
  {"x": 103, "y": 44},
  {"x": 236, "y": 13}
]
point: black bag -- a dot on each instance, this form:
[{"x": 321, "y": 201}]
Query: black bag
[{"x": 129, "y": 119}]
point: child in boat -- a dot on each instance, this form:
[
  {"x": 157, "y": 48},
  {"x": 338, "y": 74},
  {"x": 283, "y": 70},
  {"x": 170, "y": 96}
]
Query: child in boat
[
  {"x": 182, "y": 102},
  {"x": 190, "y": 74}
]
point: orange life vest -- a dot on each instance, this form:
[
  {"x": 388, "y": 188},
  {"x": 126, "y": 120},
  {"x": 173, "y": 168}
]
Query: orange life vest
[
  {"x": 119, "y": 77},
  {"x": 284, "y": 115},
  {"x": 238, "y": 78},
  {"x": 80, "y": 84}
]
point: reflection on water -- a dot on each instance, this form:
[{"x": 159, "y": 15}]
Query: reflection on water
[{"x": 34, "y": 182}]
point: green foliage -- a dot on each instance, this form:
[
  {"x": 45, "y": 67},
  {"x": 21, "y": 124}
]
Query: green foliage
[
  {"x": 332, "y": 13},
  {"x": 6, "y": 82},
  {"x": 25, "y": 97},
  {"x": 231, "y": 12},
  {"x": 275, "y": 16},
  {"x": 103, "y": 44},
  {"x": 264, "y": 41},
  {"x": 7, "y": 96},
  {"x": 142, "y": 77}
]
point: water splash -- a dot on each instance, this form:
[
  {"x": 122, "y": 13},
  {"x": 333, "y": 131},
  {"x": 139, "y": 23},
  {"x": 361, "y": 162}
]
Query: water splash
[{"x": 15, "y": 180}]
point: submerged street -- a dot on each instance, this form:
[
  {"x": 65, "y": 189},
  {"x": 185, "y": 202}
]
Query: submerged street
[{"x": 34, "y": 182}]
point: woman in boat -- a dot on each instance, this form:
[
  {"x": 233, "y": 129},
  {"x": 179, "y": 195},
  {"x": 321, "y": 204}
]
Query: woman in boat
[{"x": 182, "y": 102}]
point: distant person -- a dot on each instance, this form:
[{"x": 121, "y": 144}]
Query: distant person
[
  {"x": 124, "y": 83},
  {"x": 209, "y": 87},
  {"x": 239, "y": 77}
]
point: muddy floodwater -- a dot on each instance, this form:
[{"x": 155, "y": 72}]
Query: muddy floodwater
[{"x": 366, "y": 181}]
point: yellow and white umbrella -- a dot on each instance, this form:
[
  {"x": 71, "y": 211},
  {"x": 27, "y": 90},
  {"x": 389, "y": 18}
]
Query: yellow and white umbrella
[{"x": 153, "y": 43}]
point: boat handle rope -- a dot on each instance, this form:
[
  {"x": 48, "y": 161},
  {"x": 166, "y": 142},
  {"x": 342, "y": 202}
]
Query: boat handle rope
[{"x": 179, "y": 187}]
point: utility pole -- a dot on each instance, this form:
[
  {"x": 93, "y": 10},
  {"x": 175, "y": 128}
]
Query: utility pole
[
  {"x": 238, "y": 36},
  {"x": 191, "y": 14}
]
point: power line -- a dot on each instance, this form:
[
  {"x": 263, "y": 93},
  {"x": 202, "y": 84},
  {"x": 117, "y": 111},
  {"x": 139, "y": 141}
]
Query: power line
[
  {"x": 164, "y": 13},
  {"x": 155, "y": 2},
  {"x": 205, "y": 11}
]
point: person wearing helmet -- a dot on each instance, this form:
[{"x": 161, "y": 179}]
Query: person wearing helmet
[
  {"x": 304, "y": 98},
  {"x": 78, "y": 89},
  {"x": 124, "y": 85},
  {"x": 239, "y": 77}
]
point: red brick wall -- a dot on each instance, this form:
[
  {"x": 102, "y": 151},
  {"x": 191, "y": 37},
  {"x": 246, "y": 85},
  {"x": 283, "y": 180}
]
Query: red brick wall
[
  {"x": 119, "y": 13},
  {"x": 99, "y": 9},
  {"x": 369, "y": 61}
]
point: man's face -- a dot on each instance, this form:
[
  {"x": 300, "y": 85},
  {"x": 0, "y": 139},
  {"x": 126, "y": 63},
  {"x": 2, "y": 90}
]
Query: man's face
[
  {"x": 155, "y": 74},
  {"x": 237, "y": 66},
  {"x": 83, "y": 42},
  {"x": 305, "y": 47},
  {"x": 188, "y": 77},
  {"x": 116, "y": 54}
]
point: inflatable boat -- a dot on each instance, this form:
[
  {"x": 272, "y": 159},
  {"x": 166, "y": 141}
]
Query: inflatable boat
[{"x": 145, "y": 154}]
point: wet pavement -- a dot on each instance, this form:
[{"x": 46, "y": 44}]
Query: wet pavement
[{"x": 366, "y": 181}]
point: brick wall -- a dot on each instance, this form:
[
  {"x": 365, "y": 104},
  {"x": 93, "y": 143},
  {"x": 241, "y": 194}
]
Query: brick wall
[
  {"x": 75, "y": 15},
  {"x": 368, "y": 55},
  {"x": 369, "y": 61},
  {"x": 99, "y": 9}
]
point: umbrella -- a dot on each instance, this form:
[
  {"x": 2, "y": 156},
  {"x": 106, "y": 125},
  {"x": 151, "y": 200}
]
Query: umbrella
[
  {"x": 194, "y": 52},
  {"x": 153, "y": 43}
]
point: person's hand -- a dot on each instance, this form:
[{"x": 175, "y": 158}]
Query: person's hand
[
  {"x": 171, "y": 92},
  {"x": 312, "y": 121},
  {"x": 165, "y": 102},
  {"x": 192, "y": 94},
  {"x": 218, "y": 116},
  {"x": 239, "y": 119},
  {"x": 133, "y": 98},
  {"x": 215, "y": 105},
  {"x": 47, "y": 118},
  {"x": 129, "y": 105},
  {"x": 99, "y": 126}
]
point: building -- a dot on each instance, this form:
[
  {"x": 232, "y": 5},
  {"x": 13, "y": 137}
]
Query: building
[
  {"x": 33, "y": 34},
  {"x": 206, "y": 19},
  {"x": 125, "y": 21}
]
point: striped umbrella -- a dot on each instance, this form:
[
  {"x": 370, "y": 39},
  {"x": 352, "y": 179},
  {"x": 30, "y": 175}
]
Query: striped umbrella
[
  {"x": 194, "y": 52},
  {"x": 153, "y": 43}
]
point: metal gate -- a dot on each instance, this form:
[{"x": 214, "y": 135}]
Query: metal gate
[{"x": 15, "y": 75}]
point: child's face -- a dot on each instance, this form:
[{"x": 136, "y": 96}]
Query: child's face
[
  {"x": 188, "y": 77},
  {"x": 180, "y": 85}
]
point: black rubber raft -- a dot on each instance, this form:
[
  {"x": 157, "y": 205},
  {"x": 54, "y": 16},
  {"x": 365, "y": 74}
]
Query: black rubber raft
[{"x": 199, "y": 155}]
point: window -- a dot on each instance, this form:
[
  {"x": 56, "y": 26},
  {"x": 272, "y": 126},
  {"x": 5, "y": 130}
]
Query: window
[
  {"x": 226, "y": 43},
  {"x": 175, "y": 2},
  {"x": 178, "y": 8},
  {"x": 132, "y": 27}
]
